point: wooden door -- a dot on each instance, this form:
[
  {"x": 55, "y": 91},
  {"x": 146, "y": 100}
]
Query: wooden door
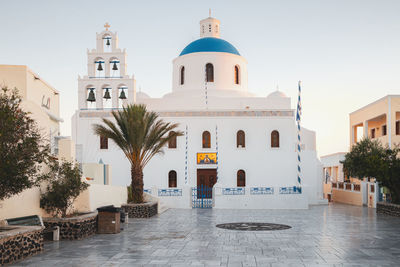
[{"x": 206, "y": 178}]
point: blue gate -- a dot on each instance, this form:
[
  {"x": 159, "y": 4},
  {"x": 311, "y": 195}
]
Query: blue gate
[{"x": 202, "y": 197}]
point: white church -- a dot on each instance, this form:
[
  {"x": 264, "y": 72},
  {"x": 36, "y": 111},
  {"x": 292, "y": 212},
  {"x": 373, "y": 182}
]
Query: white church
[{"x": 240, "y": 145}]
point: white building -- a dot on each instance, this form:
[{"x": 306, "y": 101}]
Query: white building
[{"x": 242, "y": 146}]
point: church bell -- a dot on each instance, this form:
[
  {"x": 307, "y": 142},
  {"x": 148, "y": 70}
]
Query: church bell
[
  {"x": 108, "y": 42},
  {"x": 122, "y": 95},
  {"x": 100, "y": 67},
  {"x": 107, "y": 94},
  {"x": 115, "y": 67},
  {"x": 91, "y": 97}
]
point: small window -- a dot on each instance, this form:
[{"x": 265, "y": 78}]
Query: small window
[
  {"x": 384, "y": 130},
  {"x": 172, "y": 179},
  {"x": 237, "y": 75},
  {"x": 397, "y": 127},
  {"x": 209, "y": 72},
  {"x": 373, "y": 133},
  {"x": 241, "y": 178},
  {"x": 240, "y": 139},
  {"x": 103, "y": 142},
  {"x": 182, "y": 80},
  {"x": 172, "y": 141},
  {"x": 275, "y": 138},
  {"x": 206, "y": 139},
  {"x": 209, "y": 27}
]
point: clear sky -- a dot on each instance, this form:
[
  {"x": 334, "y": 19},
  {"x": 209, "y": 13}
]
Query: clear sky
[{"x": 346, "y": 52}]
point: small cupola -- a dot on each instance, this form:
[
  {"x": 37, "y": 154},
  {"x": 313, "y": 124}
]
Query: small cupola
[{"x": 209, "y": 27}]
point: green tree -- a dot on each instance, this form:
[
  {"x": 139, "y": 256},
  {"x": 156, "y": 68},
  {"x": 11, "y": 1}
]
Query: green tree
[
  {"x": 23, "y": 151},
  {"x": 369, "y": 159},
  {"x": 140, "y": 135},
  {"x": 64, "y": 187}
]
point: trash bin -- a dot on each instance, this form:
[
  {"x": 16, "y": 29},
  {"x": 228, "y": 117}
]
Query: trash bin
[{"x": 108, "y": 221}]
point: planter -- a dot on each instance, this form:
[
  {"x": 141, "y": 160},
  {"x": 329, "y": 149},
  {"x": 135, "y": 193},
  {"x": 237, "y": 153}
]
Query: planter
[
  {"x": 143, "y": 210},
  {"x": 73, "y": 228},
  {"x": 388, "y": 209},
  {"x": 19, "y": 242}
]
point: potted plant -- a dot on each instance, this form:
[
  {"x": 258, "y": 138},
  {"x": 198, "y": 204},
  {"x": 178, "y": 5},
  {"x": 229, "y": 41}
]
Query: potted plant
[{"x": 64, "y": 187}]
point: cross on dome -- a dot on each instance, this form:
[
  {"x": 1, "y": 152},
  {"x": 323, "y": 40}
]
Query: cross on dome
[{"x": 107, "y": 26}]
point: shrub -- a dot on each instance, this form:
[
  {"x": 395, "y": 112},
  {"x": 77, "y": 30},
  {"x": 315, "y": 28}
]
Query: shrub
[
  {"x": 369, "y": 159},
  {"x": 23, "y": 151},
  {"x": 63, "y": 188}
]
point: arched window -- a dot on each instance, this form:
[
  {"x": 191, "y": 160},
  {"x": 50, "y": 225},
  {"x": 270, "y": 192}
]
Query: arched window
[
  {"x": 237, "y": 81},
  {"x": 172, "y": 141},
  {"x": 103, "y": 142},
  {"x": 107, "y": 96},
  {"x": 275, "y": 138},
  {"x": 240, "y": 139},
  {"x": 182, "y": 75},
  {"x": 209, "y": 73},
  {"x": 206, "y": 139},
  {"x": 172, "y": 179},
  {"x": 107, "y": 43},
  {"x": 241, "y": 178}
]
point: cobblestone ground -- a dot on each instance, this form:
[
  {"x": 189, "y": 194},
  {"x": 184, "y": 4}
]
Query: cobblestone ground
[{"x": 334, "y": 235}]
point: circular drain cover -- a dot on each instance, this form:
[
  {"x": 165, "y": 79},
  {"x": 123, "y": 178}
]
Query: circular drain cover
[{"x": 246, "y": 226}]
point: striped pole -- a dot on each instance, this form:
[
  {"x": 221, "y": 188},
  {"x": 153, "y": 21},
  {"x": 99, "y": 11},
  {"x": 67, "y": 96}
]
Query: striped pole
[
  {"x": 186, "y": 156},
  {"x": 298, "y": 119},
  {"x": 216, "y": 147}
]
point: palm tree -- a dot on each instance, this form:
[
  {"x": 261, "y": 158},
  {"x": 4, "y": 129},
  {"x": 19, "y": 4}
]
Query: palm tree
[{"x": 140, "y": 135}]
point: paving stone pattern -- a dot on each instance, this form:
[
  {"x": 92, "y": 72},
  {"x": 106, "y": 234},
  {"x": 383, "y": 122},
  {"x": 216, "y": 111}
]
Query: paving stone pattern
[{"x": 330, "y": 235}]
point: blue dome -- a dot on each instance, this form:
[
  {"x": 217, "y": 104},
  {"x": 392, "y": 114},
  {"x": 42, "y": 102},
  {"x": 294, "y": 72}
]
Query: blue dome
[{"x": 209, "y": 44}]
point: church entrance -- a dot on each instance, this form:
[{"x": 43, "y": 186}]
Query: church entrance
[
  {"x": 206, "y": 177},
  {"x": 202, "y": 193}
]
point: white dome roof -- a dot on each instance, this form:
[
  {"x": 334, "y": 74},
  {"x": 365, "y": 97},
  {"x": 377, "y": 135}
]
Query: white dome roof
[{"x": 277, "y": 94}]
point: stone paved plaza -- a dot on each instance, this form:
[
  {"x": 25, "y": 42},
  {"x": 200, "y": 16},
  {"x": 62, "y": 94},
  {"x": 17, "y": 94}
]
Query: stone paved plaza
[{"x": 334, "y": 235}]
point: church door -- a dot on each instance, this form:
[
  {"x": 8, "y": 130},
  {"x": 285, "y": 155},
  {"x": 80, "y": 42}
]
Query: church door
[{"x": 206, "y": 178}]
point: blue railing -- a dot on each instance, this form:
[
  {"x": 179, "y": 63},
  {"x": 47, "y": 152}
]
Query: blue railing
[
  {"x": 290, "y": 190},
  {"x": 261, "y": 191},
  {"x": 169, "y": 192},
  {"x": 234, "y": 191},
  {"x": 202, "y": 197}
]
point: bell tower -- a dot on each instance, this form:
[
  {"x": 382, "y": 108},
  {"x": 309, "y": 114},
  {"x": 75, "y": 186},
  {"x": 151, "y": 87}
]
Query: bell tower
[
  {"x": 209, "y": 27},
  {"x": 107, "y": 84}
]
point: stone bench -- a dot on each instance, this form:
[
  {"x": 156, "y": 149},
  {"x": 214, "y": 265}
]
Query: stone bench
[{"x": 35, "y": 220}]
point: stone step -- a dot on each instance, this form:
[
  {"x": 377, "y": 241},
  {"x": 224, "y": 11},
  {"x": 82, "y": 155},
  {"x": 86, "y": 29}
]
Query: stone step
[{"x": 161, "y": 207}]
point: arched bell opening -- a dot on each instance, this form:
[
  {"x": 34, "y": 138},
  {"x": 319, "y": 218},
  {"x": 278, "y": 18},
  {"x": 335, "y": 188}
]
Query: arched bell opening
[
  {"x": 122, "y": 95},
  {"x": 100, "y": 67},
  {"x": 115, "y": 68},
  {"x": 107, "y": 96},
  {"x": 90, "y": 97},
  {"x": 107, "y": 45}
]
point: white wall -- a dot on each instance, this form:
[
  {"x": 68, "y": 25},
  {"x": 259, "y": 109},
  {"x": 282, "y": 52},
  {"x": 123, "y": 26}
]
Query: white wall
[
  {"x": 264, "y": 166},
  {"x": 224, "y": 71}
]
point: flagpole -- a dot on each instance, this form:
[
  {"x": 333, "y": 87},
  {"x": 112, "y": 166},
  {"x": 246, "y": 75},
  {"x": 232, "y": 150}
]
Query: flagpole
[{"x": 298, "y": 120}]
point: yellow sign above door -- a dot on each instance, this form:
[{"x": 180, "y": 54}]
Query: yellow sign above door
[{"x": 206, "y": 158}]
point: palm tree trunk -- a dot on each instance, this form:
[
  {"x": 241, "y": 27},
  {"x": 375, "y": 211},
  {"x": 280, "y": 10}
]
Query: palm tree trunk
[{"x": 137, "y": 184}]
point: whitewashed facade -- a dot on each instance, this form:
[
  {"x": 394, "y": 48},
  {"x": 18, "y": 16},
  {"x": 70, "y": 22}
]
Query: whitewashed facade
[{"x": 213, "y": 99}]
